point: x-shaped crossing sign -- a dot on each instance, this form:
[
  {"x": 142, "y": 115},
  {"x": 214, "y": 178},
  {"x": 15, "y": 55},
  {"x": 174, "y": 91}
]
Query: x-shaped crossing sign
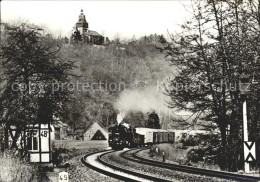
[{"x": 249, "y": 151}]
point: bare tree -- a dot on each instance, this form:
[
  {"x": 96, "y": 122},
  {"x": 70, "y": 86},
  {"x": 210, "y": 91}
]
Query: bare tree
[{"x": 215, "y": 48}]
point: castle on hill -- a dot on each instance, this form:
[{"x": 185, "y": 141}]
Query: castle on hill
[{"x": 81, "y": 33}]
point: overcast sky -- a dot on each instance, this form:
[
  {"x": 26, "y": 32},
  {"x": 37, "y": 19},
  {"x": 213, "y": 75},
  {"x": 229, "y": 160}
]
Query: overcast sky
[{"x": 126, "y": 18}]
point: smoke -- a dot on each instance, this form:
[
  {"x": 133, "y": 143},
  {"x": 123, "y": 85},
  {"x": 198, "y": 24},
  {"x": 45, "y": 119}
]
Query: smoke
[
  {"x": 126, "y": 125},
  {"x": 144, "y": 100},
  {"x": 120, "y": 117}
]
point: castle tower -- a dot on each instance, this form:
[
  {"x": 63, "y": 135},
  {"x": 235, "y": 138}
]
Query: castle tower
[{"x": 82, "y": 24}]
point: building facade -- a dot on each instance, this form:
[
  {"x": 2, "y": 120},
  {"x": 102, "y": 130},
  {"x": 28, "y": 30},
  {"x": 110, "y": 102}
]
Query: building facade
[{"x": 81, "y": 32}]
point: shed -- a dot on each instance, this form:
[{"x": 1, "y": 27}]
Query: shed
[
  {"x": 59, "y": 130},
  {"x": 36, "y": 138},
  {"x": 96, "y": 132}
]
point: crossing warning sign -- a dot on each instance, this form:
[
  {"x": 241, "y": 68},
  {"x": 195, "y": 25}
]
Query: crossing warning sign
[{"x": 249, "y": 151}]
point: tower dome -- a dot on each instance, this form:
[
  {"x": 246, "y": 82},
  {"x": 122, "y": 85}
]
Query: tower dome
[{"x": 82, "y": 23}]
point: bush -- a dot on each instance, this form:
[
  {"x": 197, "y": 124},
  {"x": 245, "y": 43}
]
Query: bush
[
  {"x": 179, "y": 145},
  {"x": 59, "y": 154},
  {"x": 195, "y": 154},
  {"x": 190, "y": 140},
  {"x": 172, "y": 153},
  {"x": 207, "y": 154},
  {"x": 13, "y": 169}
]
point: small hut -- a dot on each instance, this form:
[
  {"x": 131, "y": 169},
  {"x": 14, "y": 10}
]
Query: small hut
[
  {"x": 96, "y": 132},
  {"x": 59, "y": 130}
]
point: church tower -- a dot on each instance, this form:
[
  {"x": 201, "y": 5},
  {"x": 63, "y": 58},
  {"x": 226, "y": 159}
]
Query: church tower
[
  {"x": 82, "y": 34},
  {"x": 82, "y": 24}
]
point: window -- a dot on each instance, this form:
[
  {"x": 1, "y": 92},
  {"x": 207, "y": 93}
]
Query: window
[{"x": 32, "y": 140}]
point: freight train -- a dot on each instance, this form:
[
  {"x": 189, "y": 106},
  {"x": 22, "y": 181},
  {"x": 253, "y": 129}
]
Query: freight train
[{"x": 121, "y": 137}]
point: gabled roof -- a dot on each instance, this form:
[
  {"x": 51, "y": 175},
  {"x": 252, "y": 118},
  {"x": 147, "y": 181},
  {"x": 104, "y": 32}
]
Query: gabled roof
[
  {"x": 92, "y": 124},
  {"x": 59, "y": 124},
  {"x": 93, "y": 33},
  {"x": 92, "y": 131}
]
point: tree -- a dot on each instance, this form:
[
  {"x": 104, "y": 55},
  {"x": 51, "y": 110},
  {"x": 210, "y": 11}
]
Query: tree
[
  {"x": 74, "y": 116},
  {"x": 214, "y": 50},
  {"x": 135, "y": 119},
  {"x": 153, "y": 121},
  {"x": 76, "y": 37},
  {"x": 31, "y": 79},
  {"x": 109, "y": 115},
  {"x": 109, "y": 71}
]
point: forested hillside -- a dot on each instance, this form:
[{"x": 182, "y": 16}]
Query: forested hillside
[{"x": 106, "y": 71}]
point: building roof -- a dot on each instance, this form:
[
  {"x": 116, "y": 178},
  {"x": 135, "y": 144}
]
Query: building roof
[
  {"x": 93, "y": 129},
  {"x": 59, "y": 124},
  {"x": 94, "y": 123},
  {"x": 82, "y": 21},
  {"x": 93, "y": 33}
]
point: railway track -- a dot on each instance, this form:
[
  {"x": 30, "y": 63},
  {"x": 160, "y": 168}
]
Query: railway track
[
  {"x": 193, "y": 170},
  {"x": 95, "y": 162},
  {"x": 114, "y": 171}
]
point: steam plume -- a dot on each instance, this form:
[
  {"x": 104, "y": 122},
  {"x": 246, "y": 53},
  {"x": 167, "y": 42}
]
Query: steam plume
[
  {"x": 145, "y": 100},
  {"x": 120, "y": 117}
]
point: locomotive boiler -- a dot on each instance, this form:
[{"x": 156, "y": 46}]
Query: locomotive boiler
[{"x": 121, "y": 137}]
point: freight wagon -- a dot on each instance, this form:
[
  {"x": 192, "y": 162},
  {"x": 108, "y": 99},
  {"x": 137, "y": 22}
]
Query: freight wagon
[{"x": 121, "y": 137}]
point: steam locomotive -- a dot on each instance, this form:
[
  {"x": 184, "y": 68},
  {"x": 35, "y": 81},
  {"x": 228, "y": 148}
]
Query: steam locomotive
[{"x": 121, "y": 137}]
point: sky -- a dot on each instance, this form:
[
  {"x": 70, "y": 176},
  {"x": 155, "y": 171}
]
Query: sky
[{"x": 127, "y": 19}]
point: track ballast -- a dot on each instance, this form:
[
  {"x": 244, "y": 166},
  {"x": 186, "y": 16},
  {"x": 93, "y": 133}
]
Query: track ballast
[{"x": 188, "y": 169}]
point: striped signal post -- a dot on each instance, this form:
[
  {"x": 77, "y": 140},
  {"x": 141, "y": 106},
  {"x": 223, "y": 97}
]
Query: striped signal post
[
  {"x": 245, "y": 131},
  {"x": 245, "y": 90}
]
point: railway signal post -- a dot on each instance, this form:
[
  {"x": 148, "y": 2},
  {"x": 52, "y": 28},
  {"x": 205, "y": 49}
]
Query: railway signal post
[
  {"x": 249, "y": 146},
  {"x": 245, "y": 133}
]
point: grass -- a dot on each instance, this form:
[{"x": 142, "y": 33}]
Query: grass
[
  {"x": 75, "y": 150},
  {"x": 175, "y": 154},
  {"x": 81, "y": 144},
  {"x": 172, "y": 153},
  {"x": 13, "y": 169}
]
